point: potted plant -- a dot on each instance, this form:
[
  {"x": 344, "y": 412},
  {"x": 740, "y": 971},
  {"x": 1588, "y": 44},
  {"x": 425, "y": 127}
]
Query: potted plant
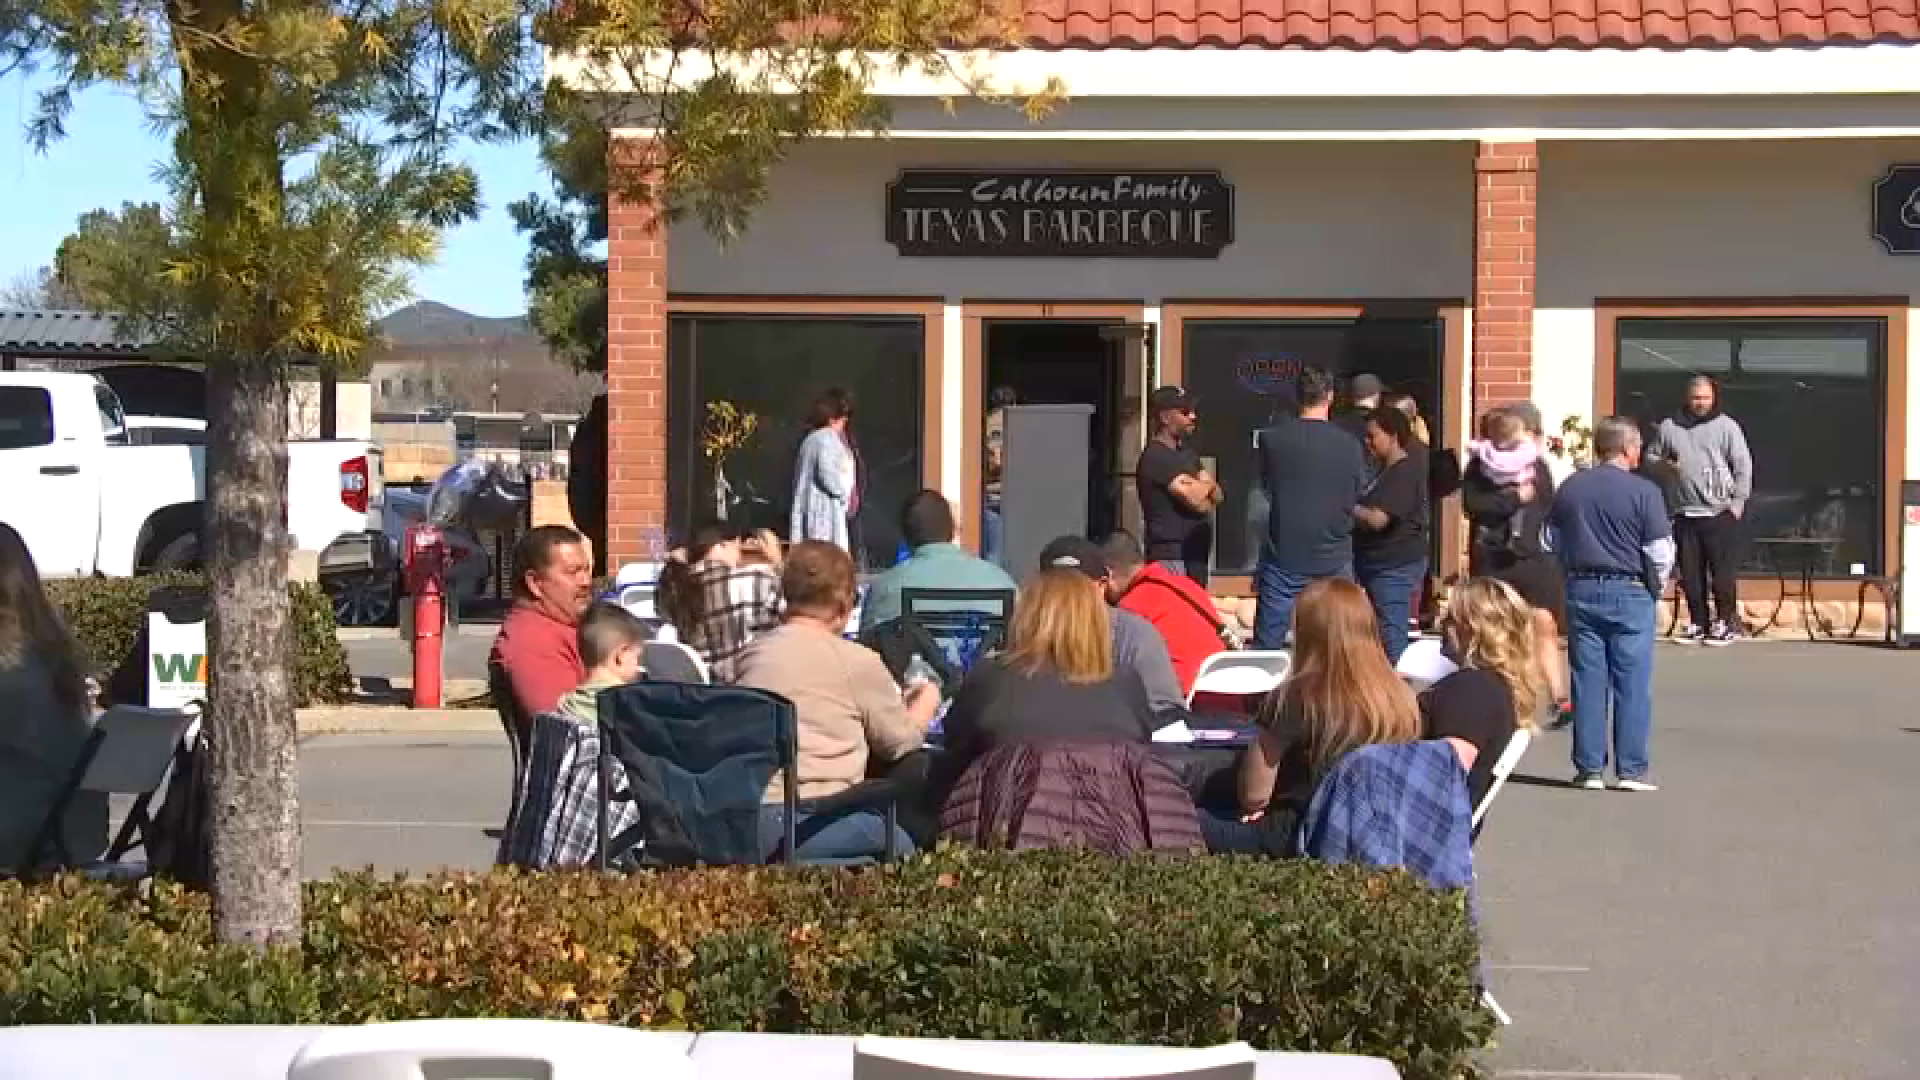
[{"x": 728, "y": 429}]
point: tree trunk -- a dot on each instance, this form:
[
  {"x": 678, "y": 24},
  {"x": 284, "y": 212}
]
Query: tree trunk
[{"x": 256, "y": 806}]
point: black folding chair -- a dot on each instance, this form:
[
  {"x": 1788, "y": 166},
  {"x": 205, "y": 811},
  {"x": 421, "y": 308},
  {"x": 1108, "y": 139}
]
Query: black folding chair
[
  {"x": 954, "y": 619},
  {"x": 128, "y": 753},
  {"x": 698, "y": 759}
]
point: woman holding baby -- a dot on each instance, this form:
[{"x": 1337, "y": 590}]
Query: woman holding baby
[{"x": 1505, "y": 491}]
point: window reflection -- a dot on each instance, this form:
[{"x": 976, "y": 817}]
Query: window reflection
[
  {"x": 773, "y": 367},
  {"x": 1243, "y": 370},
  {"x": 1807, "y": 392}
]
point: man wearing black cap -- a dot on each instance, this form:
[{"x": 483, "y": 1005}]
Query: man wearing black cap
[
  {"x": 1137, "y": 646},
  {"x": 1177, "y": 494},
  {"x": 1363, "y": 396}
]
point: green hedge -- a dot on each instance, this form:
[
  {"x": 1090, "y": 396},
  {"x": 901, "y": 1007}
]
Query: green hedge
[
  {"x": 108, "y": 617},
  {"x": 1291, "y": 955}
]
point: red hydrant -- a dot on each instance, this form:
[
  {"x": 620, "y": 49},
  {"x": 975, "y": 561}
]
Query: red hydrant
[{"x": 426, "y": 566}]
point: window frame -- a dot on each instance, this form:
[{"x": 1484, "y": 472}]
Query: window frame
[
  {"x": 1456, "y": 403},
  {"x": 1891, "y": 388},
  {"x": 933, "y": 361}
]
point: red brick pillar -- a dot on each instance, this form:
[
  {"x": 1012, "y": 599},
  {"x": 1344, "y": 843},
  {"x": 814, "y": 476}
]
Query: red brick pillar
[
  {"x": 1506, "y": 179},
  {"x": 636, "y": 367}
]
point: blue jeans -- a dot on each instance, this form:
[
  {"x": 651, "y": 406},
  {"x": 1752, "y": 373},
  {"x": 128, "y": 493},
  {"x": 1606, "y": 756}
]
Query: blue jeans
[
  {"x": 1610, "y": 629},
  {"x": 1273, "y": 614},
  {"x": 855, "y": 838},
  {"x": 1392, "y": 589}
]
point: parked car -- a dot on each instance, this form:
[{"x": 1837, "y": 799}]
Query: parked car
[{"x": 92, "y": 494}]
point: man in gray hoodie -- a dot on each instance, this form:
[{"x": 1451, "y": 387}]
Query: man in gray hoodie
[{"x": 1713, "y": 478}]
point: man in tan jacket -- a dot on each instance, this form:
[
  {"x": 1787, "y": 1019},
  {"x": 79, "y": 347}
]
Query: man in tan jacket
[{"x": 849, "y": 711}]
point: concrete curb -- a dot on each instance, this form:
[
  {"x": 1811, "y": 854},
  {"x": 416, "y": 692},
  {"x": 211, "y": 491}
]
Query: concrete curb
[
  {"x": 392, "y": 633},
  {"x": 392, "y": 720}
]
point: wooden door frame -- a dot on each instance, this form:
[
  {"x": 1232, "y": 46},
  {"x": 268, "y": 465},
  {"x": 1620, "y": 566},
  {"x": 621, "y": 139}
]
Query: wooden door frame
[
  {"x": 1448, "y": 522},
  {"x": 974, "y": 315},
  {"x": 1891, "y": 310}
]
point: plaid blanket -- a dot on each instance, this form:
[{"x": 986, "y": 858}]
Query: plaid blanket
[
  {"x": 560, "y": 805},
  {"x": 1398, "y": 805}
]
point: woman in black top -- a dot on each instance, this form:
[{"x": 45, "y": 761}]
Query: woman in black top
[
  {"x": 1342, "y": 694},
  {"x": 1056, "y": 678},
  {"x": 1390, "y": 526},
  {"x": 1488, "y": 631},
  {"x": 1521, "y": 561}
]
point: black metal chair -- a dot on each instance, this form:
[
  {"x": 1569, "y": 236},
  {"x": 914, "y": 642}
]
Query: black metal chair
[
  {"x": 519, "y": 730},
  {"x": 698, "y": 761},
  {"x": 954, "y": 619},
  {"x": 128, "y": 753}
]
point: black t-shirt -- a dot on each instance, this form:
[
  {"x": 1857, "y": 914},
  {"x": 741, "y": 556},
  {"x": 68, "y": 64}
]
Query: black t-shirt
[
  {"x": 1477, "y": 707},
  {"x": 997, "y": 705},
  {"x": 1173, "y": 531},
  {"x": 1399, "y": 489},
  {"x": 1314, "y": 473}
]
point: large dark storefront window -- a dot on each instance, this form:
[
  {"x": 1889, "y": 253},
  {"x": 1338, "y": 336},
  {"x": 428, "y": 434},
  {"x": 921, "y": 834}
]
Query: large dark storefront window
[
  {"x": 773, "y": 367},
  {"x": 1809, "y": 393},
  {"x": 1243, "y": 370}
]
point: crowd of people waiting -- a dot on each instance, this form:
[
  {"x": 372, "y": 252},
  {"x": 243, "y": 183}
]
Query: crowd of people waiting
[{"x": 1101, "y": 650}]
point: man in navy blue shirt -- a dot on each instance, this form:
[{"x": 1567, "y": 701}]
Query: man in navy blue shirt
[
  {"x": 1313, "y": 473},
  {"x": 1610, "y": 530}
]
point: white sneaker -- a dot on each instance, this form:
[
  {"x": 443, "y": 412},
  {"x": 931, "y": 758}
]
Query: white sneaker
[
  {"x": 1590, "y": 781},
  {"x": 1634, "y": 785}
]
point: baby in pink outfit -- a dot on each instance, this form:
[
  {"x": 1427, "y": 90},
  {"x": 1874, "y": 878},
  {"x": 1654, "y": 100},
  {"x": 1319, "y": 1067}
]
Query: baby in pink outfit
[{"x": 1507, "y": 455}]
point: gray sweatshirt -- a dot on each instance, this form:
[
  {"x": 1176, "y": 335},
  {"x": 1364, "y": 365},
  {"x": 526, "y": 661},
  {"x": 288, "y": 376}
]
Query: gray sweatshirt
[{"x": 1715, "y": 470}]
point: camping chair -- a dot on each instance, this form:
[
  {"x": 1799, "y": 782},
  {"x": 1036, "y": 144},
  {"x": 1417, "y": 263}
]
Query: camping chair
[
  {"x": 952, "y": 617},
  {"x": 673, "y": 661},
  {"x": 129, "y": 753},
  {"x": 1503, "y": 768},
  {"x": 1241, "y": 673},
  {"x": 698, "y": 760}
]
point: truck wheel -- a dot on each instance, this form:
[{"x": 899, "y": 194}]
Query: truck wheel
[
  {"x": 369, "y": 599},
  {"x": 178, "y": 554}
]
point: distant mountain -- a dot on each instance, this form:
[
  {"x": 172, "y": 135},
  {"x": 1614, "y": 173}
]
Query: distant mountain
[{"x": 427, "y": 324}]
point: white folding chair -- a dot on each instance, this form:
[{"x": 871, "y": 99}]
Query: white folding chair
[
  {"x": 1241, "y": 673},
  {"x": 638, "y": 599},
  {"x": 877, "y": 1058},
  {"x": 673, "y": 661},
  {"x": 505, "y": 1048},
  {"x": 1503, "y": 768}
]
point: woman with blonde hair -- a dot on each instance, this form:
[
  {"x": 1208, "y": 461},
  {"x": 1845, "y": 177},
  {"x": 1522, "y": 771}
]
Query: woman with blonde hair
[
  {"x": 1056, "y": 678},
  {"x": 1342, "y": 694},
  {"x": 1487, "y": 630}
]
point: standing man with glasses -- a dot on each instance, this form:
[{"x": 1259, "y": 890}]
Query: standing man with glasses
[
  {"x": 1177, "y": 493},
  {"x": 1713, "y": 478},
  {"x": 1611, "y": 531}
]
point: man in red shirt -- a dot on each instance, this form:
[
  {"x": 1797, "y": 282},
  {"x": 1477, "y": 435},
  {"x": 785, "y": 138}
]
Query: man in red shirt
[
  {"x": 538, "y": 650},
  {"x": 1179, "y": 608}
]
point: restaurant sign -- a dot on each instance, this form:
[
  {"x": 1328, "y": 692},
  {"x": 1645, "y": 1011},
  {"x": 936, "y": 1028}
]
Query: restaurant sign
[{"x": 1060, "y": 214}]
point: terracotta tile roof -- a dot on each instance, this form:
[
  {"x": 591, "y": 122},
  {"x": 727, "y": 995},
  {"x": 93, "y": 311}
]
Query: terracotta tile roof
[{"x": 1466, "y": 24}]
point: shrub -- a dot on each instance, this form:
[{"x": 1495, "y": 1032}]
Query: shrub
[
  {"x": 108, "y": 617},
  {"x": 1045, "y": 946}
]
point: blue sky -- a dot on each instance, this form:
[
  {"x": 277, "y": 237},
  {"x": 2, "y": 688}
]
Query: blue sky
[{"x": 107, "y": 158}]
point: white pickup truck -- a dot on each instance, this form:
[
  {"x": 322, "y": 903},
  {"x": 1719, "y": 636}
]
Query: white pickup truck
[{"x": 89, "y": 498}]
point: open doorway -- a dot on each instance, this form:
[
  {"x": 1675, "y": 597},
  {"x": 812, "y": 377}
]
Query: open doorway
[{"x": 1064, "y": 362}]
